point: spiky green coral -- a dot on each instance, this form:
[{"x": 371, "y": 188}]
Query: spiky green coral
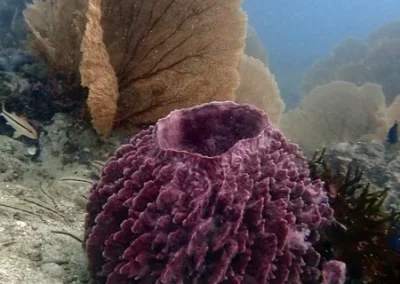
[{"x": 361, "y": 236}]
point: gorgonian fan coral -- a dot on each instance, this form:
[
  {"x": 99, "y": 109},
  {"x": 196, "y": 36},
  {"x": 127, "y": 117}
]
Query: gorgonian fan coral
[{"x": 210, "y": 194}]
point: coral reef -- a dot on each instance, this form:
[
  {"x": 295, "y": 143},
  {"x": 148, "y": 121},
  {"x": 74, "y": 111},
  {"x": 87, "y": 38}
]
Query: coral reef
[
  {"x": 258, "y": 87},
  {"x": 13, "y": 160},
  {"x": 12, "y": 60},
  {"x": 38, "y": 101},
  {"x": 349, "y": 51},
  {"x": 179, "y": 57},
  {"x": 58, "y": 143},
  {"x": 393, "y": 112},
  {"x": 58, "y": 28},
  {"x": 336, "y": 112},
  {"x": 380, "y": 164},
  {"x": 26, "y": 90},
  {"x": 254, "y": 47},
  {"x": 387, "y": 31},
  {"x": 362, "y": 237},
  {"x": 354, "y": 60},
  {"x": 165, "y": 54},
  {"x": 210, "y": 194},
  {"x": 97, "y": 73}
]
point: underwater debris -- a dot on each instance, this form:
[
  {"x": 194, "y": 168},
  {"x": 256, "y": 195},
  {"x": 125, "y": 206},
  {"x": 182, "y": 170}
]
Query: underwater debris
[
  {"x": 32, "y": 150},
  {"x": 366, "y": 244},
  {"x": 68, "y": 234},
  {"x": 77, "y": 179}
]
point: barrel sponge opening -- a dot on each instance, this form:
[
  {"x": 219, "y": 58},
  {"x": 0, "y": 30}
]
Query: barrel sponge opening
[{"x": 211, "y": 129}]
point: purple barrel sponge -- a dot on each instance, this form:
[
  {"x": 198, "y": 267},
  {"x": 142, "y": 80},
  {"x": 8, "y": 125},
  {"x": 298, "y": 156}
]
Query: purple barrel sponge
[{"x": 210, "y": 194}]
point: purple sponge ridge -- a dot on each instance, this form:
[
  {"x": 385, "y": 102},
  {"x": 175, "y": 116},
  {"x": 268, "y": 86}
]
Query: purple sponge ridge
[{"x": 210, "y": 194}]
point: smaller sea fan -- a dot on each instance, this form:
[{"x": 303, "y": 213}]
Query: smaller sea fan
[{"x": 211, "y": 194}]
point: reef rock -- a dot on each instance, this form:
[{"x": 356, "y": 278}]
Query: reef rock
[{"x": 380, "y": 162}]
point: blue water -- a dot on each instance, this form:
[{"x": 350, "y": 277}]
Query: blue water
[
  {"x": 297, "y": 32},
  {"x": 306, "y": 29}
]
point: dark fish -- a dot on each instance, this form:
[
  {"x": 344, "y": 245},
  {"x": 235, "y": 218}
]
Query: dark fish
[
  {"x": 392, "y": 136},
  {"x": 394, "y": 237},
  {"x": 395, "y": 243}
]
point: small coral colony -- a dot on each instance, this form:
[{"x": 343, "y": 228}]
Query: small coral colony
[{"x": 211, "y": 187}]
